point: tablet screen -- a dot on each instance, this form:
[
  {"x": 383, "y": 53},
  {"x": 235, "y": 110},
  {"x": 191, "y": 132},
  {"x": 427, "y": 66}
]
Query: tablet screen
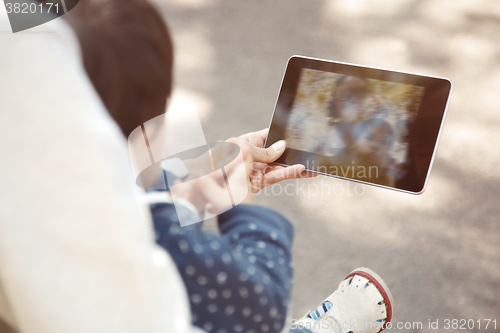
[{"x": 360, "y": 123}]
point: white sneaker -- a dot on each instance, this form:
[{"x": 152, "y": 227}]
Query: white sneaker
[{"x": 361, "y": 304}]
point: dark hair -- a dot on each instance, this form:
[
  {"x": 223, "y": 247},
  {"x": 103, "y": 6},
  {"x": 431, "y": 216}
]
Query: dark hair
[
  {"x": 332, "y": 108},
  {"x": 128, "y": 56},
  {"x": 343, "y": 77}
]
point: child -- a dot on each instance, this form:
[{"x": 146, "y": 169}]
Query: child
[
  {"x": 374, "y": 144},
  {"x": 240, "y": 280},
  {"x": 368, "y": 159},
  {"x": 345, "y": 111}
]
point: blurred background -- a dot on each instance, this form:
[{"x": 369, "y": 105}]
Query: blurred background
[{"x": 440, "y": 251}]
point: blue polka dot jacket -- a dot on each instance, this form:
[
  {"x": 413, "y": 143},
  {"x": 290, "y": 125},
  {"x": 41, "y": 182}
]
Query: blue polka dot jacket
[{"x": 238, "y": 280}]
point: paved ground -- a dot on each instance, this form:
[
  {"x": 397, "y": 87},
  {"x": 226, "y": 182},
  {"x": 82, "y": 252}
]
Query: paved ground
[{"x": 439, "y": 252}]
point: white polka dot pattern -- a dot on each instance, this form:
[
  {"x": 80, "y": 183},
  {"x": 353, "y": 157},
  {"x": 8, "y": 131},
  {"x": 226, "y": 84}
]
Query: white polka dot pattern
[{"x": 228, "y": 277}]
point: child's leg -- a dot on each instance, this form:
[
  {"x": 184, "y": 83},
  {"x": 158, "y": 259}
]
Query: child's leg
[{"x": 239, "y": 281}]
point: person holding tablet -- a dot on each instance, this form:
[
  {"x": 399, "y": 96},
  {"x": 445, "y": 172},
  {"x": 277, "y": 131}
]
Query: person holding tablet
[
  {"x": 93, "y": 251},
  {"x": 346, "y": 113}
]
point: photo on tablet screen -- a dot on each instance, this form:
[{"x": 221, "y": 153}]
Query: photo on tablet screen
[
  {"x": 359, "y": 125},
  {"x": 365, "y": 124}
]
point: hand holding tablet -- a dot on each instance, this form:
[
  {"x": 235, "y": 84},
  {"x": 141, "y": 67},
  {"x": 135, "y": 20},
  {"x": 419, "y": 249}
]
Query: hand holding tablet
[{"x": 364, "y": 124}]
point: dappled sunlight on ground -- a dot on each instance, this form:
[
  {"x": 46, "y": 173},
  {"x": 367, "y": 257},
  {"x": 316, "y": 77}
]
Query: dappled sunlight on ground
[
  {"x": 191, "y": 45},
  {"x": 182, "y": 99},
  {"x": 475, "y": 145}
]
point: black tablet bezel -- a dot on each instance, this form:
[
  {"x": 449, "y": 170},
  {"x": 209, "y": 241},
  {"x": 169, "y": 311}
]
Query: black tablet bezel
[{"x": 424, "y": 132}]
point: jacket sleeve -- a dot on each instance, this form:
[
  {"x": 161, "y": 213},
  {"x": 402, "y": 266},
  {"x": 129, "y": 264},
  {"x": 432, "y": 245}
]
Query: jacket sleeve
[{"x": 239, "y": 279}]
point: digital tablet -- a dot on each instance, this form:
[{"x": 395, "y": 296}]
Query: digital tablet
[{"x": 364, "y": 124}]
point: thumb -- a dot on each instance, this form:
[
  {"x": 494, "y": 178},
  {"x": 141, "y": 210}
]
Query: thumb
[{"x": 268, "y": 155}]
